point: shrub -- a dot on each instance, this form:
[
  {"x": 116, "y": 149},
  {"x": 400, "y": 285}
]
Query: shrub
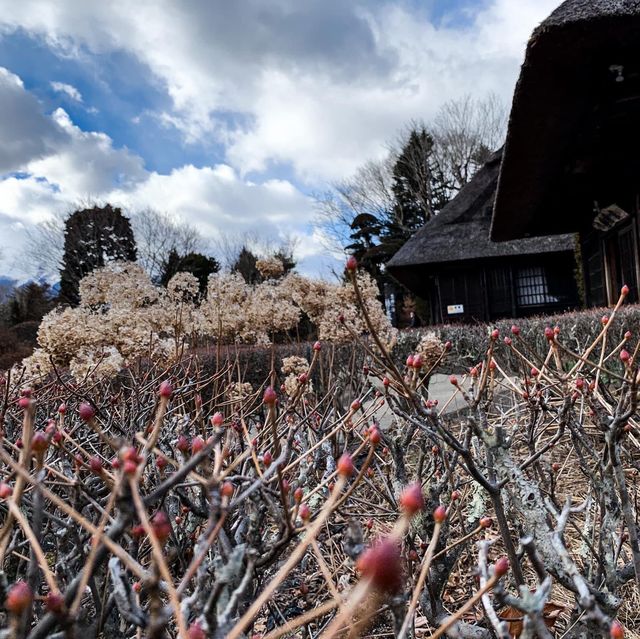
[{"x": 184, "y": 500}]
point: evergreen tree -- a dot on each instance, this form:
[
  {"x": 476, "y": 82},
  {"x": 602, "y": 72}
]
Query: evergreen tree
[
  {"x": 419, "y": 188},
  {"x": 365, "y": 246},
  {"x": 30, "y": 303},
  {"x": 92, "y": 238},
  {"x": 287, "y": 259},
  {"x": 197, "y": 264},
  {"x": 245, "y": 264}
]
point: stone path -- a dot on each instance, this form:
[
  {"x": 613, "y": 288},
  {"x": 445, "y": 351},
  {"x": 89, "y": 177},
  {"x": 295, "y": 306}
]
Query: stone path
[{"x": 440, "y": 388}]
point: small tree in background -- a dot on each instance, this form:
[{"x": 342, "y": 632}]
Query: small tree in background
[
  {"x": 246, "y": 264},
  {"x": 92, "y": 238},
  {"x": 419, "y": 186},
  {"x": 466, "y": 131},
  {"x": 30, "y": 303},
  {"x": 197, "y": 264}
]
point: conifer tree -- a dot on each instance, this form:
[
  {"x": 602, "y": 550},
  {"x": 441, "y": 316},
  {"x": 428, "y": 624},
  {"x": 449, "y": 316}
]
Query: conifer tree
[{"x": 92, "y": 238}]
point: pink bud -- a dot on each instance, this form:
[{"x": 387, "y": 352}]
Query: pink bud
[
  {"x": 501, "y": 567},
  {"x": 197, "y": 444},
  {"x": 86, "y": 411},
  {"x": 305, "y": 512},
  {"x": 195, "y": 631},
  {"x": 166, "y": 389},
  {"x": 40, "y": 442},
  {"x": 19, "y": 598},
  {"x": 182, "y": 444},
  {"x": 217, "y": 419},
  {"x": 95, "y": 463},
  {"x": 345, "y": 465},
  {"x": 440, "y": 514},
  {"x": 352, "y": 263},
  {"x": 161, "y": 527},
  {"x": 269, "y": 396},
  {"x": 412, "y": 499}
]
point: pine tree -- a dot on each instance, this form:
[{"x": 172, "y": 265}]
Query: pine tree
[
  {"x": 245, "y": 264},
  {"x": 365, "y": 246},
  {"x": 197, "y": 264},
  {"x": 30, "y": 303},
  {"x": 92, "y": 238},
  {"x": 419, "y": 188}
]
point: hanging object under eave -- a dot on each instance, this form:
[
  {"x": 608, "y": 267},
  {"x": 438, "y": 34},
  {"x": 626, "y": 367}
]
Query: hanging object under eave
[{"x": 574, "y": 129}]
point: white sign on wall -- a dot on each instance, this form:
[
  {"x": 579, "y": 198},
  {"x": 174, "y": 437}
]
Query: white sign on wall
[{"x": 455, "y": 309}]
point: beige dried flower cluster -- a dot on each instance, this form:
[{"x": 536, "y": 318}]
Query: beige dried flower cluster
[
  {"x": 239, "y": 391},
  {"x": 430, "y": 347},
  {"x": 123, "y": 316},
  {"x": 270, "y": 267},
  {"x": 333, "y": 308},
  {"x": 293, "y": 367}
]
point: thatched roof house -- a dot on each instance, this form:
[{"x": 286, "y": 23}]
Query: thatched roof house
[
  {"x": 452, "y": 262},
  {"x": 571, "y": 160}
]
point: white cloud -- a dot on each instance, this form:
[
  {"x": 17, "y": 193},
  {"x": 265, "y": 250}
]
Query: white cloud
[
  {"x": 321, "y": 84},
  {"x": 68, "y": 89},
  {"x": 218, "y": 201},
  {"x": 25, "y": 132},
  {"x": 85, "y": 165}
]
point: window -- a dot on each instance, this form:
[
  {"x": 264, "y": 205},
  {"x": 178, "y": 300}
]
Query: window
[{"x": 531, "y": 287}]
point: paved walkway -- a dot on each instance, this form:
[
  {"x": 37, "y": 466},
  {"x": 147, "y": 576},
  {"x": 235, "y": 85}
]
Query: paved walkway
[{"x": 440, "y": 388}]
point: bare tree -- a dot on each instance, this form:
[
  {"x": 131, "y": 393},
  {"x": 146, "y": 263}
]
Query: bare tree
[
  {"x": 368, "y": 192},
  {"x": 466, "y": 132},
  {"x": 157, "y": 234},
  {"x": 44, "y": 246}
]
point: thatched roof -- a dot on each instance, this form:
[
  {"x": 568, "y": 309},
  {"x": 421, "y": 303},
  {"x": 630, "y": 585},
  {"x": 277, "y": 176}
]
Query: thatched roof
[
  {"x": 575, "y": 116},
  {"x": 461, "y": 230}
]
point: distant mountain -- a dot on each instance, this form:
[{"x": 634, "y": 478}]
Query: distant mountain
[{"x": 7, "y": 282}]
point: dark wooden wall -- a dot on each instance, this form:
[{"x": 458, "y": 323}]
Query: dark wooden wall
[
  {"x": 611, "y": 260},
  {"x": 508, "y": 287}
]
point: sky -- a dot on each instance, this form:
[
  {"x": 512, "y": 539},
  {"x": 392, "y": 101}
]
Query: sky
[{"x": 228, "y": 114}]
